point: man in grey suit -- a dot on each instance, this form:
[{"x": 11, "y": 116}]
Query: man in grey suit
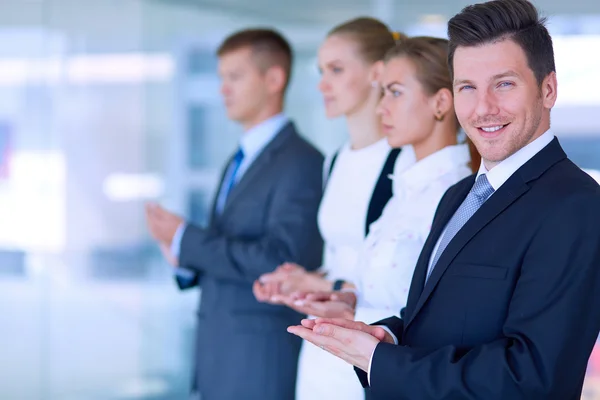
[{"x": 264, "y": 214}]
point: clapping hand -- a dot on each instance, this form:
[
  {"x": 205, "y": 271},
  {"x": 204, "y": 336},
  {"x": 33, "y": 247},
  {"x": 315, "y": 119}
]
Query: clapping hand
[{"x": 352, "y": 341}]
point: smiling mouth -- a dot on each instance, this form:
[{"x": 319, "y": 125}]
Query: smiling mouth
[{"x": 492, "y": 130}]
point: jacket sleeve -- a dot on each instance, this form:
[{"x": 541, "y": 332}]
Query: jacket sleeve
[{"x": 552, "y": 322}]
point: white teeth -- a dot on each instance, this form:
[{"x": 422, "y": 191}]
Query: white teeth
[{"x": 492, "y": 128}]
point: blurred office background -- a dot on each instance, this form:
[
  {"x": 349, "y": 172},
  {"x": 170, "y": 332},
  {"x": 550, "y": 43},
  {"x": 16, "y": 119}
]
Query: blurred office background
[{"x": 106, "y": 104}]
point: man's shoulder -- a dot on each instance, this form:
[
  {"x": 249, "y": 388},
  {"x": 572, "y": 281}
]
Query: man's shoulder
[
  {"x": 565, "y": 180},
  {"x": 298, "y": 149}
]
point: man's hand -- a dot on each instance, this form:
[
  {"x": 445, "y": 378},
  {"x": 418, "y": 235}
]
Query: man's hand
[
  {"x": 318, "y": 308},
  {"x": 166, "y": 252},
  {"x": 162, "y": 223},
  {"x": 376, "y": 331},
  {"x": 353, "y": 342}
]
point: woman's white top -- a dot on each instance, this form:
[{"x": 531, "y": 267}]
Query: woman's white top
[
  {"x": 390, "y": 252},
  {"x": 343, "y": 210}
]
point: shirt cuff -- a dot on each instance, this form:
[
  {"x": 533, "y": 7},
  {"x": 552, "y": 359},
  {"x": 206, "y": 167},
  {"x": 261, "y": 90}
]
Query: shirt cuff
[
  {"x": 372, "y": 354},
  {"x": 176, "y": 242},
  {"x": 390, "y": 332}
]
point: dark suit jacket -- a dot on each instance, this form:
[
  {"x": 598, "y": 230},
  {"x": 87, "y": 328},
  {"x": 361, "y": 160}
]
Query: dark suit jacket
[
  {"x": 243, "y": 350},
  {"x": 512, "y": 308}
]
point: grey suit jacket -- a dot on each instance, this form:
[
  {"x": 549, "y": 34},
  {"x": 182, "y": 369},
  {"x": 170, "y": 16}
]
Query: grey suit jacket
[{"x": 243, "y": 350}]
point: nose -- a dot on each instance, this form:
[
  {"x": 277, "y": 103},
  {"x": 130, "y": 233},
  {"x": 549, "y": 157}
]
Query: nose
[
  {"x": 487, "y": 104},
  {"x": 381, "y": 108},
  {"x": 224, "y": 89},
  {"x": 323, "y": 85}
]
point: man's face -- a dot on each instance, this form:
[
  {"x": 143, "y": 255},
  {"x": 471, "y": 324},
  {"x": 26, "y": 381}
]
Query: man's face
[
  {"x": 498, "y": 100},
  {"x": 242, "y": 85}
]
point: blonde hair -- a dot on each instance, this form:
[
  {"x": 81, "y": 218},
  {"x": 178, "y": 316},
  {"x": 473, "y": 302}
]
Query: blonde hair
[{"x": 372, "y": 36}]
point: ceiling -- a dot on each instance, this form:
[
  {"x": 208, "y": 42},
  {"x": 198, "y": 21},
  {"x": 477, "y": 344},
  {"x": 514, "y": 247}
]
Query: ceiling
[{"x": 398, "y": 13}]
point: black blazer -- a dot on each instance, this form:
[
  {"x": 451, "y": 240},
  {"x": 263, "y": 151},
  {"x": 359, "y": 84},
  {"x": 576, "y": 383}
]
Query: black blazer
[{"x": 512, "y": 309}]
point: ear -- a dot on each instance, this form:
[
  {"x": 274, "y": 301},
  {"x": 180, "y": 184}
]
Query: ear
[
  {"x": 275, "y": 78},
  {"x": 549, "y": 90},
  {"x": 441, "y": 103},
  {"x": 376, "y": 71}
]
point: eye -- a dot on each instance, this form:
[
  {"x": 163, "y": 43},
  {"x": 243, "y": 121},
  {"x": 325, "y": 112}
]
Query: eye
[
  {"x": 505, "y": 84},
  {"x": 395, "y": 93},
  {"x": 466, "y": 87},
  {"x": 337, "y": 70}
]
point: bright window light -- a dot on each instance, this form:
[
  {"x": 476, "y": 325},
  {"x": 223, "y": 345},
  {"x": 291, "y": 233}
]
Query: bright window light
[
  {"x": 88, "y": 69},
  {"x": 577, "y": 67},
  {"x": 133, "y": 187}
]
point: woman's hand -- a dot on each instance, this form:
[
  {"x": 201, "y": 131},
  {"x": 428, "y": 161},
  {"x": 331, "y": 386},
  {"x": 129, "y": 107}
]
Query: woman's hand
[{"x": 287, "y": 279}]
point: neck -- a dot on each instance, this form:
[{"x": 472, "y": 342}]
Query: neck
[
  {"x": 364, "y": 126},
  {"x": 490, "y": 164},
  {"x": 266, "y": 112},
  {"x": 442, "y": 137}
]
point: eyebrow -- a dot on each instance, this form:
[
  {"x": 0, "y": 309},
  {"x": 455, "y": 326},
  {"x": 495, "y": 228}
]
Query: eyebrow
[
  {"x": 329, "y": 64},
  {"x": 389, "y": 85},
  {"x": 502, "y": 75},
  {"x": 337, "y": 60}
]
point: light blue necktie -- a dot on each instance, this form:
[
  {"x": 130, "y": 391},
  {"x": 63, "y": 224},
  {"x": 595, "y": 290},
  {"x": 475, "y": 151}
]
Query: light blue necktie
[
  {"x": 229, "y": 180},
  {"x": 479, "y": 193}
]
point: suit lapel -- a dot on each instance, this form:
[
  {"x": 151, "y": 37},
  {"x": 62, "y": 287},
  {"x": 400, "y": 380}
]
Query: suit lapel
[
  {"x": 515, "y": 187},
  {"x": 260, "y": 163},
  {"x": 498, "y": 202},
  {"x": 213, "y": 207},
  {"x": 453, "y": 202}
]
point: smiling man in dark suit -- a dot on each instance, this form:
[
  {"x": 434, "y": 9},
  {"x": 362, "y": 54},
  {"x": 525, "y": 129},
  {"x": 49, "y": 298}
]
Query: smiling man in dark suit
[
  {"x": 264, "y": 214},
  {"x": 504, "y": 299}
]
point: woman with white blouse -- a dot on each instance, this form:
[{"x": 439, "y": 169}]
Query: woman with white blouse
[
  {"x": 357, "y": 185},
  {"x": 416, "y": 109}
]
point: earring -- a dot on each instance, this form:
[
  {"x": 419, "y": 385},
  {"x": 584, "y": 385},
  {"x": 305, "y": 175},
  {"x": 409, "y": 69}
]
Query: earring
[{"x": 439, "y": 117}]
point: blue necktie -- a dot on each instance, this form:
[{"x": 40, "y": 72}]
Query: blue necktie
[
  {"x": 229, "y": 180},
  {"x": 479, "y": 193}
]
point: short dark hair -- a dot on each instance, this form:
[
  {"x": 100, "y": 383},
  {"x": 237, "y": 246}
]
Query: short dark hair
[
  {"x": 497, "y": 20},
  {"x": 268, "y": 46}
]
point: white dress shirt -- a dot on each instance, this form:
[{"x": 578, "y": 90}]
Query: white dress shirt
[
  {"x": 395, "y": 240},
  {"x": 252, "y": 144},
  {"x": 497, "y": 176},
  {"x": 342, "y": 223}
]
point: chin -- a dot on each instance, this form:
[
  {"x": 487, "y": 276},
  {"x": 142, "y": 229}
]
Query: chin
[
  {"x": 333, "y": 113},
  {"x": 395, "y": 143},
  {"x": 494, "y": 155},
  {"x": 233, "y": 115}
]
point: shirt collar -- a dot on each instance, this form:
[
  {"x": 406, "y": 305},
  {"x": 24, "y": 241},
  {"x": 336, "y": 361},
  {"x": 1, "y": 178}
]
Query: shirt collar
[
  {"x": 256, "y": 138},
  {"x": 501, "y": 172},
  {"x": 429, "y": 169}
]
